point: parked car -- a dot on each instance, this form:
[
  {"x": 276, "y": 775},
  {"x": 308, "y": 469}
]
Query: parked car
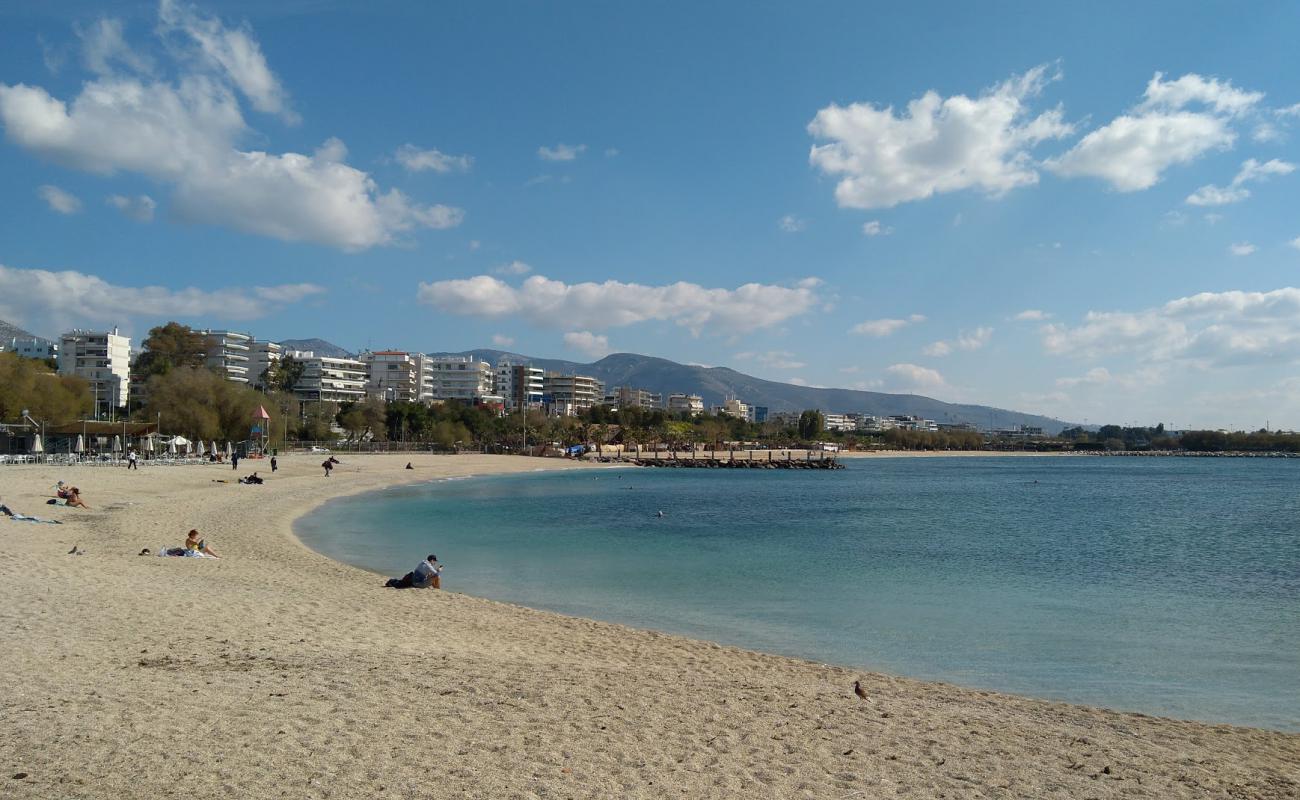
[{"x": 320, "y": 450}]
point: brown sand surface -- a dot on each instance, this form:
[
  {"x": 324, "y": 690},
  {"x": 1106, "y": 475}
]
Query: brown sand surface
[{"x": 275, "y": 672}]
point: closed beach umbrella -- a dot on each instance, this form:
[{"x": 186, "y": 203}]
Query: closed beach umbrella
[
  {"x": 229, "y": 449},
  {"x": 171, "y": 447},
  {"x": 148, "y": 443},
  {"x": 81, "y": 444},
  {"x": 37, "y": 447},
  {"x": 214, "y": 447},
  {"x": 200, "y": 448},
  {"x": 117, "y": 444}
]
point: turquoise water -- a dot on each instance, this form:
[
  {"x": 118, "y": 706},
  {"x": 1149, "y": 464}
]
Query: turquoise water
[{"x": 1169, "y": 586}]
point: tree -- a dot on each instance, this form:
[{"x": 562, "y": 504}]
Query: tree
[
  {"x": 286, "y": 374},
  {"x": 170, "y": 346},
  {"x": 811, "y": 424},
  {"x": 365, "y": 417},
  {"x": 200, "y": 403},
  {"x": 28, "y": 384},
  {"x": 316, "y": 420}
]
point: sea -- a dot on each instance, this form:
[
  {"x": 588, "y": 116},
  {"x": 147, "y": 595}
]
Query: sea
[{"x": 1168, "y": 586}]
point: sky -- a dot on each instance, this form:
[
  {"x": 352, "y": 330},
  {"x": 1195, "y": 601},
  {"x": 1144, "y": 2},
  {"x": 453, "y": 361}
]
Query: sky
[{"x": 1086, "y": 210}]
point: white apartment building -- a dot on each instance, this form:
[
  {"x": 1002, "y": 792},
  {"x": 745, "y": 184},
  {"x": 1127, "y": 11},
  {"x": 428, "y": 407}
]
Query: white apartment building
[
  {"x": 329, "y": 380},
  {"x": 690, "y": 403},
  {"x": 734, "y": 408},
  {"x": 394, "y": 375},
  {"x": 567, "y": 395},
  {"x": 460, "y": 378},
  {"x": 103, "y": 359},
  {"x": 263, "y": 357},
  {"x": 628, "y": 397},
  {"x": 520, "y": 385},
  {"x": 31, "y": 347},
  {"x": 229, "y": 353},
  {"x": 838, "y": 422}
]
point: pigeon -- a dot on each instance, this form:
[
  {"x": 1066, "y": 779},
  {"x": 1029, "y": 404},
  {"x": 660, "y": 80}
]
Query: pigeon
[
  {"x": 859, "y": 691},
  {"x": 73, "y": 551}
]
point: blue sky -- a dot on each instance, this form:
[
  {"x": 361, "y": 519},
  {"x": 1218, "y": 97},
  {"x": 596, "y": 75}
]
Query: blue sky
[{"x": 1084, "y": 211}]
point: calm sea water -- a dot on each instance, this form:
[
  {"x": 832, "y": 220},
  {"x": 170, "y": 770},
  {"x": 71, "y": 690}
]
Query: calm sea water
[{"x": 1169, "y": 586}]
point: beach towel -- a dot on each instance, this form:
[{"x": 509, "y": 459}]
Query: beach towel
[
  {"x": 16, "y": 517},
  {"x": 181, "y": 552}
]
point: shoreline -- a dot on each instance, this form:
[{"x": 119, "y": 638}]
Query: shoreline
[{"x": 279, "y": 660}]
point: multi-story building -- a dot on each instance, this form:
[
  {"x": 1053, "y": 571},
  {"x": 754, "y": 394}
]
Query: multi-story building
[
  {"x": 460, "y": 378},
  {"x": 733, "y": 408},
  {"x": 329, "y": 380},
  {"x": 263, "y": 358},
  {"x": 30, "y": 347},
  {"x": 104, "y": 360},
  {"x": 567, "y": 395},
  {"x": 758, "y": 413},
  {"x": 628, "y": 397},
  {"x": 393, "y": 375},
  {"x": 519, "y": 385},
  {"x": 838, "y": 422},
  {"x": 229, "y": 354},
  {"x": 689, "y": 403}
]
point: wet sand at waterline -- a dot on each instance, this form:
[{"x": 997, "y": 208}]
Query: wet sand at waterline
[{"x": 275, "y": 671}]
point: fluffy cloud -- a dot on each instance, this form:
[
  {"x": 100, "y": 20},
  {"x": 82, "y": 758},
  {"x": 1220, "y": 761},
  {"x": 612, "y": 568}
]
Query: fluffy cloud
[
  {"x": 417, "y": 160},
  {"x": 773, "y": 359},
  {"x": 513, "y": 268},
  {"x": 185, "y": 135},
  {"x": 974, "y": 340},
  {"x": 139, "y": 208},
  {"x": 1032, "y": 315},
  {"x": 912, "y": 377},
  {"x": 1251, "y": 170},
  {"x": 937, "y": 145},
  {"x": 791, "y": 224},
  {"x": 587, "y": 343},
  {"x": 1295, "y": 242},
  {"x": 52, "y": 300},
  {"x": 561, "y": 152},
  {"x": 1242, "y": 248},
  {"x": 1132, "y": 150},
  {"x": 875, "y": 228},
  {"x": 59, "y": 200},
  {"x": 103, "y": 46},
  {"x": 885, "y": 327},
  {"x": 554, "y": 303},
  {"x": 1211, "y": 329}
]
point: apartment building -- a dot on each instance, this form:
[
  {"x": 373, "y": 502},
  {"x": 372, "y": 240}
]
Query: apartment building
[
  {"x": 461, "y": 378},
  {"x": 394, "y": 375},
  {"x": 30, "y": 347},
  {"x": 519, "y": 384},
  {"x": 628, "y": 397},
  {"x": 103, "y": 358},
  {"x": 733, "y": 408},
  {"x": 568, "y": 395},
  {"x": 230, "y": 353},
  {"x": 690, "y": 403},
  {"x": 263, "y": 357},
  {"x": 838, "y": 422},
  {"x": 329, "y": 380}
]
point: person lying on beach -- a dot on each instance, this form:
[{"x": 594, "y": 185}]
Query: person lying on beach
[
  {"x": 427, "y": 574},
  {"x": 252, "y": 479},
  {"x": 16, "y": 517},
  {"x": 197, "y": 544},
  {"x": 74, "y": 499}
]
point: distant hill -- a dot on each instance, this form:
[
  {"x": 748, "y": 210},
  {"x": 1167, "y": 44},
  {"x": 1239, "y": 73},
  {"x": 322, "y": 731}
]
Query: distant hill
[
  {"x": 10, "y": 331},
  {"x": 318, "y": 346},
  {"x": 715, "y": 384}
]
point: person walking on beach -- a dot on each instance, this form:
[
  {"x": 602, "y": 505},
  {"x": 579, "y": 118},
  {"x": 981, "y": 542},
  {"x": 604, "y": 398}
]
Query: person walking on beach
[
  {"x": 131, "y": 462},
  {"x": 234, "y": 461},
  {"x": 328, "y": 464},
  {"x": 274, "y": 467}
]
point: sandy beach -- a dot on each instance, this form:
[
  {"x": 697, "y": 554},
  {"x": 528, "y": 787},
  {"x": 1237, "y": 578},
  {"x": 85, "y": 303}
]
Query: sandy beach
[{"x": 275, "y": 671}]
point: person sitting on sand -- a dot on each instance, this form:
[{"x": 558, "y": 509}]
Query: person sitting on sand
[
  {"x": 196, "y": 543},
  {"x": 408, "y": 465},
  {"x": 428, "y": 573},
  {"x": 252, "y": 479},
  {"x": 74, "y": 499}
]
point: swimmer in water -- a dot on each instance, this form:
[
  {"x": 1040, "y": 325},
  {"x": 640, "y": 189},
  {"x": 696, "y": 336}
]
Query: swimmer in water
[{"x": 660, "y": 513}]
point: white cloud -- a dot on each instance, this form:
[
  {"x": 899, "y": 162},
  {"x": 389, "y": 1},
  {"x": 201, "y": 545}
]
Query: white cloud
[
  {"x": 1295, "y": 242},
  {"x": 1210, "y": 329},
  {"x": 513, "y": 268},
  {"x": 773, "y": 359},
  {"x": 53, "y": 300},
  {"x": 1032, "y": 315},
  {"x": 185, "y": 135},
  {"x": 791, "y": 224},
  {"x": 850, "y": 370},
  {"x": 1251, "y": 170},
  {"x": 912, "y": 377},
  {"x": 103, "y": 46},
  {"x": 611, "y": 152},
  {"x": 1096, "y": 376},
  {"x": 232, "y": 52},
  {"x": 1213, "y": 219},
  {"x": 554, "y": 303},
  {"x": 1132, "y": 150},
  {"x": 968, "y": 341},
  {"x": 1130, "y": 382},
  {"x": 938, "y": 145},
  {"x": 417, "y": 160},
  {"x": 885, "y": 327},
  {"x": 139, "y": 208},
  {"x": 59, "y": 200},
  {"x": 874, "y": 228},
  {"x": 1242, "y": 248},
  {"x": 587, "y": 343},
  {"x": 561, "y": 152},
  {"x": 501, "y": 340}
]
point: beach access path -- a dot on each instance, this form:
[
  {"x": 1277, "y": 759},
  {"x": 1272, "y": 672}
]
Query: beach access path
[{"x": 275, "y": 671}]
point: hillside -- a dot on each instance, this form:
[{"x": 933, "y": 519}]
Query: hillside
[
  {"x": 10, "y": 331},
  {"x": 715, "y": 384},
  {"x": 318, "y": 346}
]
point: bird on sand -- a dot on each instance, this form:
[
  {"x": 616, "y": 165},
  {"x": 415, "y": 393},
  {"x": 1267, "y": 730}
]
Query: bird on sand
[
  {"x": 76, "y": 552},
  {"x": 859, "y": 691}
]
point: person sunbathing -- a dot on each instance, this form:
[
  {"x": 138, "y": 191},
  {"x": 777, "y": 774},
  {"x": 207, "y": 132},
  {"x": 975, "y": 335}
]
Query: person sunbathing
[
  {"x": 196, "y": 543},
  {"x": 73, "y": 498}
]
